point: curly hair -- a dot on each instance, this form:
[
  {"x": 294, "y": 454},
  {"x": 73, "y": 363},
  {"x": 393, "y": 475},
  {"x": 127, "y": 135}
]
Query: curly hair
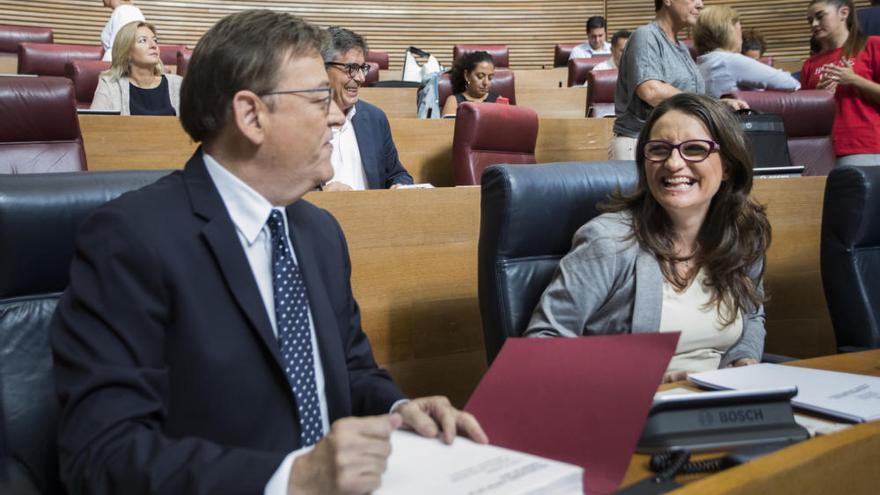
[
  {"x": 466, "y": 63},
  {"x": 735, "y": 234}
]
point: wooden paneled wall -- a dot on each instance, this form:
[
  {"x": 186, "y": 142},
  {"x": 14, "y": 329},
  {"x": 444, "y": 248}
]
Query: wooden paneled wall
[{"x": 529, "y": 27}]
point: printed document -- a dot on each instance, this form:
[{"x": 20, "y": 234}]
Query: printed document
[
  {"x": 844, "y": 395},
  {"x": 428, "y": 466}
]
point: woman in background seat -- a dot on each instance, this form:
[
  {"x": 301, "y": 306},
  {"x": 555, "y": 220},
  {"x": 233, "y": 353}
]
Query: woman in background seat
[
  {"x": 124, "y": 12},
  {"x": 135, "y": 83},
  {"x": 718, "y": 38},
  {"x": 471, "y": 78},
  {"x": 684, "y": 252},
  {"x": 848, "y": 65}
]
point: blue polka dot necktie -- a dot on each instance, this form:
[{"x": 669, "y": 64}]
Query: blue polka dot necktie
[{"x": 294, "y": 336}]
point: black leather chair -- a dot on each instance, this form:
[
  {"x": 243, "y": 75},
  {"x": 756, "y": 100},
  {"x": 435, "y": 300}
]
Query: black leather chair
[
  {"x": 850, "y": 256},
  {"x": 528, "y": 215},
  {"x": 39, "y": 216}
]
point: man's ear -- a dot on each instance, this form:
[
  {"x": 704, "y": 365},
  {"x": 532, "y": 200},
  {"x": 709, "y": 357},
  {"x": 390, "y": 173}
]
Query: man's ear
[{"x": 250, "y": 115}]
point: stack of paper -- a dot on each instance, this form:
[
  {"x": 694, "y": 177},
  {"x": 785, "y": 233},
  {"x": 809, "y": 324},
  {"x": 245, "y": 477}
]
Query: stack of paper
[
  {"x": 843, "y": 395},
  {"x": 428, "y": 466}
]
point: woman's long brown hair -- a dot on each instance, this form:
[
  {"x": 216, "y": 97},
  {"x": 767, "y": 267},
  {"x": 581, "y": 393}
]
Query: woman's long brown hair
[{"x": 734, "y": 236}]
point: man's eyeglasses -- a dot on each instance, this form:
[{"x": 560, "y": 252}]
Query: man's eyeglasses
[
  {"x": 326, "y": 100},
  {"x": 351, "y": 69},
  {"x": 693, "y": 150}
]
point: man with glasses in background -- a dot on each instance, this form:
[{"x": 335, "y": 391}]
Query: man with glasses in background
[
  {"x": 364, "y": 155},
  {"x": 209, "y": 341}
]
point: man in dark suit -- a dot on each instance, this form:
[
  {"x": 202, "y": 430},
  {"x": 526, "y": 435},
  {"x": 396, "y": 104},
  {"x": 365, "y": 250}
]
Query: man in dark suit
[
  {"x": 364, "y": 155},
  {"x": 209, "y": 341}
]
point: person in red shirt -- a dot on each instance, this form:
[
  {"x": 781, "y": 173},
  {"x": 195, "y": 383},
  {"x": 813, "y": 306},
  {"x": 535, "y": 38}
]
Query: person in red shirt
[{"x": 847, "y": 64}]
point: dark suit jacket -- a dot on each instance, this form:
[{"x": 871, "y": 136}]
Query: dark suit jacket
[
  {"x": 378, "y": 153},
  {"x": 168, "y": 372}
]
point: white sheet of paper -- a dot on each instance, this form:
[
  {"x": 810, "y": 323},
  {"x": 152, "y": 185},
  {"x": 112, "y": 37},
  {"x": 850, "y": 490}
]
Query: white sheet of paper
[
  {"x": 427, "y": 466},
  {"x": 844, "y": 395}
]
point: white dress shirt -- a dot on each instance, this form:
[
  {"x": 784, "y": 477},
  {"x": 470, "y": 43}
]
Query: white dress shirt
[
  {"x": 121, "y": 16},
  {"x": 249, "y": 212},
  {"x": 584, "y": 50},
  {"x": 346, "y": 157}
]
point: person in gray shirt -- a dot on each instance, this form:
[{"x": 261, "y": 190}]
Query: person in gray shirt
[
  {"x": 718, "y": 37},
  {"x": 655, "y": 66}
]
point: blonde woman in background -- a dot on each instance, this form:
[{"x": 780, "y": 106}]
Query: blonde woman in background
[
  {"x": 718, "y": 38},
  {"x": 135, "y": 83},
  {"x": 124, "y": 12}
]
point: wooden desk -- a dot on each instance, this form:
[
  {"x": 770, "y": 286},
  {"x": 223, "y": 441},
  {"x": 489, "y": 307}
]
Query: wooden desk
[
  {"x": 524, "y": 78},
  {"x": 425, "y": 146},
  {"x": 8, "y": 63},
  {"x": 845, "y": 462},
  {"x": 559, "y": 103}
]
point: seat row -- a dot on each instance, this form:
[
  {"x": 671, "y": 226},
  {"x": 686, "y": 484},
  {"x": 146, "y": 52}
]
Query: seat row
[{"x": 484, "y": 134}]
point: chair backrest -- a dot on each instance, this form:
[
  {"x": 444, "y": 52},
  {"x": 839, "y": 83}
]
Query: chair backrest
[
  {"x": 183, "y": 56},
  {"x": 503, "y": 84},
  {"x": 600, "y": 93},
  {"x": 85, "y": 75},
  {"x": 500, "y": 53},
  {"x": 39, "y": 216},
  {"x": 372, "y": 75},
  {"x": 850, "y": 255},
  {"x": 487, "y": 134},
  {"x": 12, "y": 36},
  {"x": 528, "y": 215},
  {"x": 578, "y": 68},
  {"x": 39, "y": 131},
  {"x": 561, "y": 53},
  {"x": 49, "y": 59},
  {"x": 380, "y": 58},
  {"x": 168, "y": 53},
  {"x": 808, "y": 116}
]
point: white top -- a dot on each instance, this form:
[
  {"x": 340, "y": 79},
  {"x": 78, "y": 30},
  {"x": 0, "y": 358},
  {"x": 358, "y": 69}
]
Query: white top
[
  {"x": 703, "y": 338},
  {"x": 346, "y": 157},
  {"x": 121, "y": 16},
  {"x": 725, "y": 72},
  {"x": 607, "y": 64},
  {"x": 249, "y": 212},
  {"x": 584, "y": 50}
]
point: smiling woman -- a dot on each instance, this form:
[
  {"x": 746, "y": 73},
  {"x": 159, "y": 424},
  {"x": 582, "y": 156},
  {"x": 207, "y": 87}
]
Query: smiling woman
[
  {"x": 684, "y": 252},
  {"x": 136, "y": 83}
]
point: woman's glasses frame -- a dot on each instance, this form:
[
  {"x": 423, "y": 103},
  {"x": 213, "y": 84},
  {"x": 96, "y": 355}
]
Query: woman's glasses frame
[{"x": 667, "y": 149}]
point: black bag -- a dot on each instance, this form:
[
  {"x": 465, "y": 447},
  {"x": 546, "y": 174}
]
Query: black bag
[{"x": 766, "y": 132}]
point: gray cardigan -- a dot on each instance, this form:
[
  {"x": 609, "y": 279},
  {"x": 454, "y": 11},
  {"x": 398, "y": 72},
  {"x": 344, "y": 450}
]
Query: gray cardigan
[
  {"x": 608, "y": 284},
  {"x": 114, "y": 95}
]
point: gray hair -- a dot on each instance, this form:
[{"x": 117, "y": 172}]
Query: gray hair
[{"x": 341, "y": 40}]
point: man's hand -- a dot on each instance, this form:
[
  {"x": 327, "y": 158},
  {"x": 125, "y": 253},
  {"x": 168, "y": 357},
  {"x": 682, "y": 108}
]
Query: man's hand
[
  {"x": 350, "y": 459},
  {"x": 336, "y": 186},
  {"x": 428, "y": 416}
]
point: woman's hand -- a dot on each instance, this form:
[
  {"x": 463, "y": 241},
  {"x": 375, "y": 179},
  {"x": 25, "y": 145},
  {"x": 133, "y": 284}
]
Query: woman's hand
[
  {"x": 735, "y": 104},
  {"x": 841, "y": 73},
  {"x": 742, "y": 362},
  {"x": 675, "y": 376}
]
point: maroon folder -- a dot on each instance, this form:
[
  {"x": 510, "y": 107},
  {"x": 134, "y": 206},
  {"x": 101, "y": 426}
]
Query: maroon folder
[{"x": 583, "y": 401}]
